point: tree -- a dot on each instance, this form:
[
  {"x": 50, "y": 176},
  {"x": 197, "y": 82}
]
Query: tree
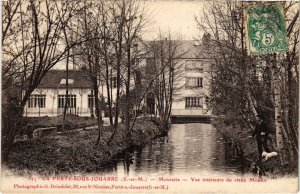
[
  {"x": 245, "y": 87},
  {"x": 166, "y": 53},
  {"x": 111, "y": 28},
  {"x": 29, "y": 55},
  {"x": 133, "y": 26},
  {"x": 9, "y": 16},
  {"x": 127, "y": 24},
  {"x": 90, "y": 55}
]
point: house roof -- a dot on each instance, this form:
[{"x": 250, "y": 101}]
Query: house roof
[
  {"x": 190, "y": 49},
  {"x": 53, "y": 79}
]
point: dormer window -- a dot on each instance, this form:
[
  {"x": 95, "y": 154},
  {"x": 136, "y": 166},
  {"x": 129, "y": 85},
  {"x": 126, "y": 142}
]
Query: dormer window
[{"x": 64, "y": 81}]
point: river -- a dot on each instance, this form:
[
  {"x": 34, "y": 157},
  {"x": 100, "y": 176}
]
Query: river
[{"x": 194, "y": 148}]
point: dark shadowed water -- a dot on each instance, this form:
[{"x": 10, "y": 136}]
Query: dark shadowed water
[{"x": 194, "y": 148}]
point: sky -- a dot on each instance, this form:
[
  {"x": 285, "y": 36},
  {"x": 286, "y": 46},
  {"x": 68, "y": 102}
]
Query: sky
[{"x": 174, "y": 15}]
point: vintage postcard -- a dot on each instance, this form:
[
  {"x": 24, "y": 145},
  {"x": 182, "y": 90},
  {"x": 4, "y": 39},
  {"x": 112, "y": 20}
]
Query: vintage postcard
[{"x": 149, "y": 96}]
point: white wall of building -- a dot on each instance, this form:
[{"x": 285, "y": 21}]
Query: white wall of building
[
  {"x": 51, "y": 105},
  {"x": 179, "y": 101}
]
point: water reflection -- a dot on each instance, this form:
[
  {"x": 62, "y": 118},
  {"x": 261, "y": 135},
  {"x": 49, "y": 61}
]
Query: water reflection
[{"x": 193, "y": 148}]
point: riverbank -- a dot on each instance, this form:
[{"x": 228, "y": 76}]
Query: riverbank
[
  {"x": 247, "y": 147},
  {"x": 75, "y": 151}
]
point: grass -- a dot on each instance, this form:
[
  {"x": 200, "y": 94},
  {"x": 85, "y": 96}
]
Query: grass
[{"x": 74, "y": 151}]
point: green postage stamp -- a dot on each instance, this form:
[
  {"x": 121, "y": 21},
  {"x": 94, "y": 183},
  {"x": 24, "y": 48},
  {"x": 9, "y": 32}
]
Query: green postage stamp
[{"x": 265, "y": 29}]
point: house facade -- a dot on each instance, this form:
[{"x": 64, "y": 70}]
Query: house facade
[
  {"x": 49, "y": 98},
  {"x": 190, "y": 98},
  {"x": 193, "y": 93}
]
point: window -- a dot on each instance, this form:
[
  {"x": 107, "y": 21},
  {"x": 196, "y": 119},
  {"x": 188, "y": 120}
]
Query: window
[
  {"x": 191, "y": 102},
  {"x": 192, "y": 65},
  {"x": 64, "y": 81},
  {"x": 31, "y": 102},
  {"x": 194, "y": 82},
  {"x": 114, "y": 82},
  {"x": 37, "y": 101},
  {"x": 71, "y": 101},
  {"x": 91, "y": 101}
]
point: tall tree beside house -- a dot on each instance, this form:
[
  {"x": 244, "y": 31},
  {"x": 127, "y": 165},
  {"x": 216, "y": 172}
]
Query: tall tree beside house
[
  {"x": 128, "y": 21},
  {"x": 282, "y": 75},
  {"x": 135, "y": 23},
  {"x": 107, "y": 36},
  {"x": 90, "y": 54},
  {"x": 246, "y": 87},
  {"x": 227, "y": 66},
  {"x": 97, "y": 20},
  {"x": 31, "y": 44},
  {"x": 166, "y": 51},
  {"x": 67, "y": 42},
  {"x": 113, "y": 27}
]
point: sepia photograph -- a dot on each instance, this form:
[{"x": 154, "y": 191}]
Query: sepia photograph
[{"x": 149, "y": 96}]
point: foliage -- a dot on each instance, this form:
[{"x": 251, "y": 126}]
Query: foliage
[
  {"x": 32, "y": 45},
  {"x": 246, "y": 88}
]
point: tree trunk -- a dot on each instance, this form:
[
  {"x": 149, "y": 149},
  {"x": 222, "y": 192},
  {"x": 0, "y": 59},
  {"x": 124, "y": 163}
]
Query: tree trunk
[
  {"x": 98, "y": 110},
  {"x": 67, "y": 82},
  {"x": 278, "y": 112},
  {"x": 118, "y": 89},
  {"x": 15, "y": 111},
  {"x": 67, "y": 94},
  {"x": 290, "y": 101},
  {"x": 108, "y": 85},
  {"x": 92, "y": 107},
  {"x": 128, "y": 100}
]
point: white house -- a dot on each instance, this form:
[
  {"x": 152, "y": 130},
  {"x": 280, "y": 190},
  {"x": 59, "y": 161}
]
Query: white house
[
  {"x": 49, "y": 98},
  {"x": 192, "y": 80}
]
